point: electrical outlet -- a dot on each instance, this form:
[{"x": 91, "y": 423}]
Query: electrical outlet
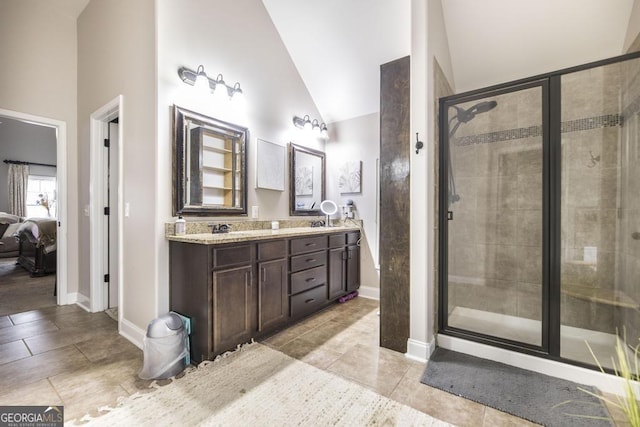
[{"x": 255, "y": 211}]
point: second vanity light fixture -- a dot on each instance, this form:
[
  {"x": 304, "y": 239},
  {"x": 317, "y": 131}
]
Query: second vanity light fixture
[
  {"x": 306, "y": 124},
  {"x": 219, "y": 88}
]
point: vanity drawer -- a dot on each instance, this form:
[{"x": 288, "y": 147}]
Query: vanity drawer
[
  {"x": 308, "y": 302},
  {"x": 337, "y": 240},
  {"x": 308, "y": 244},
  {"x": 272, "y": 250},
  {"x": 310, "y": 260},
  {"x": 308, "y": 279},
  {"x": 232, "y": 255}
]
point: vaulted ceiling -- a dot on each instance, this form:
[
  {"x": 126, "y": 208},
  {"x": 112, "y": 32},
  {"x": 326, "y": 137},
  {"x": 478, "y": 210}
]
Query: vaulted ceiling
[{"x": 338, "y": 45}]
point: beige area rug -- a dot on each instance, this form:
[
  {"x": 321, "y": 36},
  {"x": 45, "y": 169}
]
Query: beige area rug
[{"x": 259, "y": 386}]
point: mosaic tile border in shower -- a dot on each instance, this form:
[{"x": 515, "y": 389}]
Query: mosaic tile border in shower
[{"x": 597, "y": 122}]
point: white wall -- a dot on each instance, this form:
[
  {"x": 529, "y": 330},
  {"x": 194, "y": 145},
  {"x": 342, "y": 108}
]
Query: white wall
[
  {"x": 634, "y": 26},
  {"x": 237, "y": 39},
  {"x": 358, "y": 139},
  {"x": 38, "y": 77},
  {"x": 429, "y": 40},
  {"x": 116, "y": 55}
]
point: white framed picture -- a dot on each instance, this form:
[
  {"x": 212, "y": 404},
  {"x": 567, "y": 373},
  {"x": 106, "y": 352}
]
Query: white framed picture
[
  {"x": 350, "y": 177},
  {"x": 270, "y": 166}
]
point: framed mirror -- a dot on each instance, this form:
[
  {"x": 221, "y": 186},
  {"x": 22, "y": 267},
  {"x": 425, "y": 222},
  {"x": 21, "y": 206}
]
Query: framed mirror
[
  {"x": 306, "y": 178},
  {"x": 209, "y": 164}
]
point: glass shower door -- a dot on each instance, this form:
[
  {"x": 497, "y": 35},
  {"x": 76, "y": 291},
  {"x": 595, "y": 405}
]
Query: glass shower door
[
  {"x": 494, "y": 228},
  {"x": 600, "y": 247}
]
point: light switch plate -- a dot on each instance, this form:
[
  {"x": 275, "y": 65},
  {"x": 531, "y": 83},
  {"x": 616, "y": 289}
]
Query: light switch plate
[{"x": 255, "y": 211}]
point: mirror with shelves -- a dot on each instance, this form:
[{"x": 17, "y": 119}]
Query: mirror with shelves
[{"x": 210, "y": 157}]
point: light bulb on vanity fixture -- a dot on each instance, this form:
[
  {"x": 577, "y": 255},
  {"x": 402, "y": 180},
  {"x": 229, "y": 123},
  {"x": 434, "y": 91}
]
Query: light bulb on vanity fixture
[
  {"x": 202, "y": 81},
  {"x": 307, "y": 123},
  {"x": 221, "y": 91},
  {"x": 315, "y": 126},
  {"x": 324, "y": 132},
  {"x": 237, "y": 94}
]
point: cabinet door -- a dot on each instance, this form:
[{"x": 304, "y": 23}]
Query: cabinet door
[
  {"x": 273, "y": 301},
  {"x": 233, "y": 307},
  {"x": 353, "y": 268},
  {"x": 337, "y": 272}
]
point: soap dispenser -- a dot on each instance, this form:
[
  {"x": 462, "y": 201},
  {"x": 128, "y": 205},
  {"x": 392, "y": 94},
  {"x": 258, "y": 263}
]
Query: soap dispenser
[{"x": 181, "y": 226}]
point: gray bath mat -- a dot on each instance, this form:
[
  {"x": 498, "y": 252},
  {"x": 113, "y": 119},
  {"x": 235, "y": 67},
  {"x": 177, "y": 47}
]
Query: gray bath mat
[{"x": 535, "y": 397}]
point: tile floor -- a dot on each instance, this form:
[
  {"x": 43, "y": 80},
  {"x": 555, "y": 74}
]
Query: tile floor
[
  {"x": 21, "y": 292},
  {"x": 63, "y": 355}
]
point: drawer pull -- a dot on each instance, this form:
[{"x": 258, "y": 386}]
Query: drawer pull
[
  {"x": 310, "y": 244},
  {"x": 309, "y": 300},
  {"x": 311, "y": 260},
  {"x": 310, "y": 279}
]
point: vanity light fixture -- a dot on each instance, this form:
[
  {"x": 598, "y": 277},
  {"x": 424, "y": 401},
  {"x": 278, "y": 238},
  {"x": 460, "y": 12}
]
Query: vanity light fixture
[
  {"x": 199, "y": 78},
  {"x": 307, "y": 124}
]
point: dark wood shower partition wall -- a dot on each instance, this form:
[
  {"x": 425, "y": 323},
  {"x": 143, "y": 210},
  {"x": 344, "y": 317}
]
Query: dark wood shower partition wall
[{"x": 395, "y": 149}]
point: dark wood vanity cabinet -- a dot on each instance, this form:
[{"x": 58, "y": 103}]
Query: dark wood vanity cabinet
[
  {"x": 308, "y": 278},
  {"x": 215, "y": 287},
  {"x": 344, "y": 264},
  {"x": 232, "y": 306},
  {"x": 238, "y": 291},
  {"x": 273, "y": 295}
]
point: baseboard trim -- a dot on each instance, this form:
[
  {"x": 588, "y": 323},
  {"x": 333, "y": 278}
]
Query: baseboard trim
[
  {"x": 369, "y": 292},
  {"x": 131, "y": 332},
  {"x": 80, "y": 300},
  {"x": 420, "y": 351}
]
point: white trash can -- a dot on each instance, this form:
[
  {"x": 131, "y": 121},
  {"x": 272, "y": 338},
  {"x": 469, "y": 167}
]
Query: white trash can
[{"x": 165, "y": 348}]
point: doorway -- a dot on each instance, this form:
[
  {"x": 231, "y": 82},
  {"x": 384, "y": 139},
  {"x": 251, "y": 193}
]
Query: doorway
[
  {"x": 61, "y": 194},
  {"x": 106, "y": 209}
]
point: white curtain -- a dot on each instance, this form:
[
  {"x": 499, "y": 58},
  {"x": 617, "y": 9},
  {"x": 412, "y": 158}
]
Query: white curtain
[{"x": 17, "y": 182}]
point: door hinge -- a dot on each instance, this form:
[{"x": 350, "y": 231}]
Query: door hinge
[
  {"x": 449, "y": 215},
  {"x": 106, "y": 142},
  {"x": 106, "y": 278},
  {"x": 106, "y": 210}
]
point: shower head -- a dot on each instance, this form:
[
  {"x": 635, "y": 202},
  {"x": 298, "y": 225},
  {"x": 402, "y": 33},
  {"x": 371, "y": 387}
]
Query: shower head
[{"x": 465, "y": 116}]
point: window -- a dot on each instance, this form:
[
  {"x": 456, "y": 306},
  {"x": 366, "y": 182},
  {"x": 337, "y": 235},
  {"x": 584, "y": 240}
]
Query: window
[{"x": 41, "y": 196}]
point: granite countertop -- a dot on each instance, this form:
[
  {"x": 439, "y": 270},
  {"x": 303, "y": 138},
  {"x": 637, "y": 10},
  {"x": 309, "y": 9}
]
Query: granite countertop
[{"x": 248, "y": 235}]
